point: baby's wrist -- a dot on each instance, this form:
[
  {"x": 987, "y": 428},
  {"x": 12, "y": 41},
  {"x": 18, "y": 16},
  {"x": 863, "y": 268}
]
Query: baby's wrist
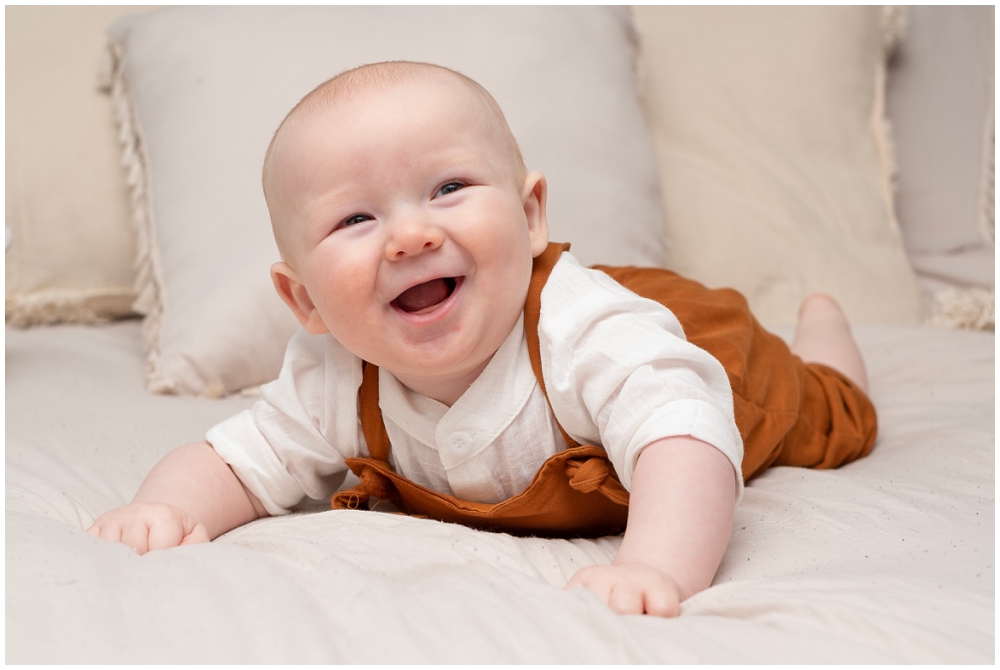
[
  {"x": 640, "y": 564},
  {"x": 642, "y": 552}
]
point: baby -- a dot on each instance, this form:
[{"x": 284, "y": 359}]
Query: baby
[{"x": 415, "y": 255}]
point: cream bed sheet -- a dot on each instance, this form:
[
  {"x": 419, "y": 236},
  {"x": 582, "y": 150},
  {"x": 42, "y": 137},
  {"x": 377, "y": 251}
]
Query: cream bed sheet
[{"x": 890, "y": 559}]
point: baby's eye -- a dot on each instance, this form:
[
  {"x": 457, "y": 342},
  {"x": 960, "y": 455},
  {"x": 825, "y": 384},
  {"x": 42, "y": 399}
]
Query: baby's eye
[
  {"x": 450, "y": 187},
  {"x": 355, "y": 219}
]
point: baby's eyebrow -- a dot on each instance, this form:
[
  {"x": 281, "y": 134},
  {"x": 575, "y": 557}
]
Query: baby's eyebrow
[{"x": 329, "y": 209}]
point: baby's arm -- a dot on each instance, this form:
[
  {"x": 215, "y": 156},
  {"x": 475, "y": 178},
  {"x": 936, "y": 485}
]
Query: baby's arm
[
  {"x": 190, "y": 496},
  {"x": 679, "y": 521}
]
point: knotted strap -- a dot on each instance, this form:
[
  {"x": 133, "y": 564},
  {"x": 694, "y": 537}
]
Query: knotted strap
[
  {"x": 373, "y": 484},
  {"x": 593, "y": 474},
  {"x": 370, "y": 413}
]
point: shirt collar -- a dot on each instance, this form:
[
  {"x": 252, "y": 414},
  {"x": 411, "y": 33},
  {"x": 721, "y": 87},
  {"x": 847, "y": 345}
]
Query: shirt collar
[{"x": 478, "y": 417}]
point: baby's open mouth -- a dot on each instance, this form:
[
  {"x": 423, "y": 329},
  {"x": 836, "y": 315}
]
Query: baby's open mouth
[{"x": 425, "y": 296}]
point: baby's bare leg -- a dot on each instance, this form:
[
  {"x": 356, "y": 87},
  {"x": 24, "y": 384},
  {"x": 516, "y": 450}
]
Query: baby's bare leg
[{"x": 823, "y": 335}]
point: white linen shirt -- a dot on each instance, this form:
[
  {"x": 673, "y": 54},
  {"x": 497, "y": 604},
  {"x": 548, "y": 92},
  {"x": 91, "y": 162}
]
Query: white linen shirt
[{"x": 618, "y": 370}]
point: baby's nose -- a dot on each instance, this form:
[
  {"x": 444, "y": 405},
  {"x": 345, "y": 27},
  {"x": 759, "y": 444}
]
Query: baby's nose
[{"x": 412, "y": 237}]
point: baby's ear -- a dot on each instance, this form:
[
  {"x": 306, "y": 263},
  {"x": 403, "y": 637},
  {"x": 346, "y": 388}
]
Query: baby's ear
[
  {"x": 293, "y": 292},
  {"x": 533, "y": 197}
]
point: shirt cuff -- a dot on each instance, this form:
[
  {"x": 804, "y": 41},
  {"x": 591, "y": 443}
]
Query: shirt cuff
[
  {"x": 239, "y": 443},
  {"x": 696, "y": 418}
]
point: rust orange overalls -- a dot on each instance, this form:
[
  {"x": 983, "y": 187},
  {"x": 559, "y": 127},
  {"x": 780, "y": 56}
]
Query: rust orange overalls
[{"x": 788, "y": 413}]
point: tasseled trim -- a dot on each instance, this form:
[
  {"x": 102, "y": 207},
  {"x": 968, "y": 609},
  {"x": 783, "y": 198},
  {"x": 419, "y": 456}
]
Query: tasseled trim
[
  {"x": 894, "y": 24},
  {"x": 965, "y": 308},
  {"x": 988, "y": 187},
  {"x": 149, "y": 286},
  {"x": 893, "y": 32},
  {"x": 82, "y": 306}
]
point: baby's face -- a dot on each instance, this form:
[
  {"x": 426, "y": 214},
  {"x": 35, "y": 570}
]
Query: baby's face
[{"x": 410, "y": 230}]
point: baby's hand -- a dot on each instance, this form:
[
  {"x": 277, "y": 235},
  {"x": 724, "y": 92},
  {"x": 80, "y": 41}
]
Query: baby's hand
[
  {"x": 631, "y": 589},
  {"x": 147, "y": 526}
]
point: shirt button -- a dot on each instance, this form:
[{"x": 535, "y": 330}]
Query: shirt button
[{"x": 459, "y": 443}]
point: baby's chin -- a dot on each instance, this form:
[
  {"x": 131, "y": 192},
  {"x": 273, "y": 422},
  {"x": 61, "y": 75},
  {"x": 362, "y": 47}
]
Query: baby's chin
[
  {"x": 442, "y": 365},
  {"x": 443, "y": 375}
]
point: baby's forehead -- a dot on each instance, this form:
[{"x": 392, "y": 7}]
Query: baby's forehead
[
  {"x": 373, "y": 109},
  {"x": 366, "y": 92}
]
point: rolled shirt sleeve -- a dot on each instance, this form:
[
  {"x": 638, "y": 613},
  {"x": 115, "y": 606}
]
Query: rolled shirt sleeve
[
  {"x": 620, "y": 373},
  {"x": 293, "y": 442}
]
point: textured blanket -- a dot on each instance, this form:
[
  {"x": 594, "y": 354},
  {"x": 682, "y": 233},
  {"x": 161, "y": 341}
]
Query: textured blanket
[{"x": 890, "y": 559}]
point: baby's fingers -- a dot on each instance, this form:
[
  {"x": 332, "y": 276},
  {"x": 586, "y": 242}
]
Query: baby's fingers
[
  {"x": 171, "y": 527},
  {"x": 165, "y": 534},
  {"x": 149, "y": 526},
  {"x": 196, "y": 535},
  {"x": 106, "y": 530},
  {"x": 631, "y": 589},
  {"x": 662, "y": 602},
  {"x": 136, "y": 535},
  {"x": 626, "y": 598},
  {"x": 592, "y": 579}
]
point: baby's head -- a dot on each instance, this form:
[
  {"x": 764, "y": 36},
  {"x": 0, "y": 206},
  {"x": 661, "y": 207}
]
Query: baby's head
[{"x": 406, "y": 221}]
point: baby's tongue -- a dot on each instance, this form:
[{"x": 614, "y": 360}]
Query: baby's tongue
[{"x": 423, "y": 295}]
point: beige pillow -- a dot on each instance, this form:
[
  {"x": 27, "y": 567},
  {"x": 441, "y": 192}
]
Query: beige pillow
[
  {"x": 208, "y": 86},
  {"x": 768, "y": 126},
  {"x": 940, "y": 102},
  {"x": 66, "y": 201}
]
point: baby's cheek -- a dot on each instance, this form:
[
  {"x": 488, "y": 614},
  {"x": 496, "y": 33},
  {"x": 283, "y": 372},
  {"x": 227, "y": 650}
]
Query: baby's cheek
[
  {"x": 343, "y": 307},
  {"x": 342, "y": 282},
  {"x": 340, "y": 299}
]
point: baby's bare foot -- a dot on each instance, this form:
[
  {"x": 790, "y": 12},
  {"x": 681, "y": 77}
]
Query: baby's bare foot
[{"x": 823, "y": 335}]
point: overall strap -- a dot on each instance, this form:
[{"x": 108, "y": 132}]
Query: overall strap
[
  {"x": 371, "y": 481},
  {"x": 540, "y": 271},
  {"x": 372, "y": 425}
]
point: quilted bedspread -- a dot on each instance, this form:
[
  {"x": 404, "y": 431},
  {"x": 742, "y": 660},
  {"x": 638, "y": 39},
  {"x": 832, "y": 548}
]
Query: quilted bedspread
[{"x": 890, "y": 559}]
